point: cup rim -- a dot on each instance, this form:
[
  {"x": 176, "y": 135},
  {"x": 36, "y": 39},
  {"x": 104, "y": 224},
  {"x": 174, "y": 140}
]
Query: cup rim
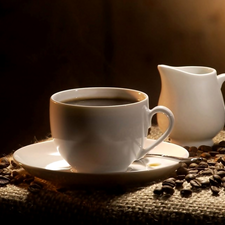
[{"x": 143, "y": 96}]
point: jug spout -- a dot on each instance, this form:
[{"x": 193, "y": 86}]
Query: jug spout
[{"x": 164, "y": 69}]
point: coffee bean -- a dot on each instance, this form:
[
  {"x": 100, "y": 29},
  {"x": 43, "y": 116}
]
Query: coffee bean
[
  {"x": 214, "y": 182},
  {"x": 6, "y": 171},
  {"x": 215, "y": 190},
  {"x": 14, "y": 165},
  {"x": 211, "y": 162},
  {"x": 221, "y": 150},
  {"x": 182, "y": 171},
  {"x": 158, "y": 191},
  {"x": 206, "y": 172},
  {"x": 35, "y": 187},
  {"x": 4, "y": 180},
  {"x": 203, "y": 164},
  {"x": 205, "y": 183},
  {"x": 190, "y": 177},
  {"x": 184, "y": 165},
  {"x": 15, "y": 173},
  {"x": 222, "y": 143},
  {"x": 3, "y": 165},
  {"x": 179, "y": 183},
  {"x": 213, "y": 153},
  {"x": 205, "y": 155},
  {"x": 193, "y": 171},
  {"x": 221, "y": 160},
  {"x": 17, "y": 179},
  {"x": 193, "y": 165},
  {"x": 192, "y": 154},
  {"x": 186, "y": 192},
  {"x": 170, "y": 182},
  {"x": 205, "y": 148},
  {"x": 193, "y": 149},
  {"x": 217, "y": 178},
  {"x": 4, "y": 162},
  {"x": 180, "y": 177},
  {"x": 28, "y": 179},
  {"x": 167, "y": 189},
  {"x": 195, "y": 183}
]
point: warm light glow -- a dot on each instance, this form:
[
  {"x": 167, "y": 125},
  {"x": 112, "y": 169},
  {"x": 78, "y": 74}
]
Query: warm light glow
[{"x": 59, "y": 165}]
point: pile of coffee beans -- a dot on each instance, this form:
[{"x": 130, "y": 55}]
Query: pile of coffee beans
[
  {"x": 11, "y": 173},
  {"x": 208, "y": 173}
]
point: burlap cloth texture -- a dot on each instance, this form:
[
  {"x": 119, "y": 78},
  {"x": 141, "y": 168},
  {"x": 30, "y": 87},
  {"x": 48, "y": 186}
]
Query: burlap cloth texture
[{"x": 132, "y": 205}]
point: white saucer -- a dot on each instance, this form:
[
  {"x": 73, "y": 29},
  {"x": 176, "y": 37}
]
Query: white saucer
[{"x": 43, "y": 160}]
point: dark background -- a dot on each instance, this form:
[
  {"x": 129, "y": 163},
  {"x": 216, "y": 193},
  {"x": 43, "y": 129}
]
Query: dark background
[{"x": 47, "y": 46}]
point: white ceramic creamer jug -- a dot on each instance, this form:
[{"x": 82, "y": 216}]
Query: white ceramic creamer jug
[{"x": 193, "y": 94}]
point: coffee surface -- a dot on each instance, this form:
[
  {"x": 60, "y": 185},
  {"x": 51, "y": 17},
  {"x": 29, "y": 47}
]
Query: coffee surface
[{"x": 100, "y": 101}]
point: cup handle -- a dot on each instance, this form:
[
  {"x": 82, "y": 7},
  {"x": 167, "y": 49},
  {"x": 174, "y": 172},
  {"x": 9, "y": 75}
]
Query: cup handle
[
  {"x": 150, "y": 114},
  {"x": 221, "y": 79}
]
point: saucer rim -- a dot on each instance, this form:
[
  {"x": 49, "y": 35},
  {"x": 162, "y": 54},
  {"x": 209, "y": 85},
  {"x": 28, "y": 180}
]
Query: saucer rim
[
  {"x": 66, "y": 177},
  {"x": 108, "y": 173}
]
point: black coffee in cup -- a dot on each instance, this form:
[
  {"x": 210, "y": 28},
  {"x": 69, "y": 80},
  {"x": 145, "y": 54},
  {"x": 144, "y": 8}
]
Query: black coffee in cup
[{"x": 100, "y": 101}]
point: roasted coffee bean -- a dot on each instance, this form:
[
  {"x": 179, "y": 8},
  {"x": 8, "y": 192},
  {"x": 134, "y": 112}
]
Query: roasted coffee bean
[
  {"x": 213, "y": 153},
  {"x": 180, "y": 177},
  {"x": 14, "y": 164},
  {"x": 192, "y": 154},
  {"x": 214, "y": 182},
  {"x": 14, "y": 173},
  {"x": 28, "y": 179},
  {"x": 167, "y": 189},
  {"x": 3, "y": 165},
  {"x": 211, "y": 162},
  {"x": 203, "y": 164},
  {"x": 223, "y": 179},
  {"x": 205, "y": 155},
  {"x": 184, "y": 165},
  {"x": 206, "y": 172},
  {"x": 186, "y": 192},
  {"x": 222, "y": 143},
  {"x": 179, "y": 183},
  {"x": 4, "y": 180},
  {"x": 170, "y": 182},
  {"x": 193, "y": 149},
  {"x": 215, "y": 190},
  {"x": 193, "y": 165},
  {"x": 193, "y": 171},
  {"x": 4, "y": 162},
  {"x": 35, "y": 187},
  {"x": 195, "y": 183},
  {"x": 158, "y": 191},
  {"x": 221, "y": 169},
  {"x": 190, "y": 177},
  {"x": 17, "y": 179},
  {"x": 205, "y": 183},
  {"x": 182, "y": 171},
  {"x": 205, "y": 148},
  {"x": 221, "y": 160},
  {"x": 221, "y": 150},
  {"x": 6, "y": 171},
  {"x": 217, "y": 178}
]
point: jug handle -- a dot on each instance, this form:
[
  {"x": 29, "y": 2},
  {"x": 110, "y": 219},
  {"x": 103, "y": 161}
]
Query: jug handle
[{"x": 221, "y": 79}]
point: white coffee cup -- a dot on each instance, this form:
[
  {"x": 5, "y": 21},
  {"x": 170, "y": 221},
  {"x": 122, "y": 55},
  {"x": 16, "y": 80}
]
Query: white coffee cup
[{"x": 103, "y": 138}]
